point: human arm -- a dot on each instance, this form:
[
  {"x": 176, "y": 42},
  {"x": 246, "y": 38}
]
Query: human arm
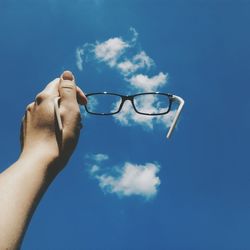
[{"x": 45, "y": 152}]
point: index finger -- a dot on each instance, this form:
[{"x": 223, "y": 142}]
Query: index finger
[{"x": 52, "y": 87}]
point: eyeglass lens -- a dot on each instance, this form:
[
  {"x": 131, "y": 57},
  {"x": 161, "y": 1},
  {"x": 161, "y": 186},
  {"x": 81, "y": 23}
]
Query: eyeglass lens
[
  {"x": 152, "y": 104},
  {"x": 103, "y": 103}
]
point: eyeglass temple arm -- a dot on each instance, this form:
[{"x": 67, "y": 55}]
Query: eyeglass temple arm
[
  {"x": 178, "y": 112},
  {"x": 57, "y": 113}
]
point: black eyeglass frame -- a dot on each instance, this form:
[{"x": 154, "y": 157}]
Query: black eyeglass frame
[
  {"x": 173, "y": 98},
  {"x": 131, "y": 98}
]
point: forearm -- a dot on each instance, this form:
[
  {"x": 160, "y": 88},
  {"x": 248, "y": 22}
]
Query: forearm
[
  {"x": 45, "y": 151},
  {"x": 21, "y": 187}
]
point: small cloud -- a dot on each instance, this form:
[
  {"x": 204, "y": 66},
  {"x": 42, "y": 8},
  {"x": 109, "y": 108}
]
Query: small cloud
[
  {"x": 135, "y": 35},
  {"x": 147, "y": 83},
  {"x": 94, "y": 169},
  {"x": 132, "y": 179},
  {"x": 139, "y": 61},
  {"x": 79, "y": 58},
  {"x": 110, "y": 50},
  {"x": 143, "y": 60},
  {"x": 97, "y": 157},
  {"x": 127, "y": 67}
]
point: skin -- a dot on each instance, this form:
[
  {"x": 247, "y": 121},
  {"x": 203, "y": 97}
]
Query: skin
[{"x": 44, "y": 153}]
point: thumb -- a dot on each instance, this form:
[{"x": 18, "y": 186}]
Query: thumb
[{"x": 67, "y": 88}]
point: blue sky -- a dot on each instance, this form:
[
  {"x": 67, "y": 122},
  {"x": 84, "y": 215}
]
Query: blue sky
[{"x": 197, "y": 192}]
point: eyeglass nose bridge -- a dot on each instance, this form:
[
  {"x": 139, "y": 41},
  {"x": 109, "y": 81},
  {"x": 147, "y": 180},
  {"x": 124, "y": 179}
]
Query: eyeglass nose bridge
[{"x": 126, "y": 98}]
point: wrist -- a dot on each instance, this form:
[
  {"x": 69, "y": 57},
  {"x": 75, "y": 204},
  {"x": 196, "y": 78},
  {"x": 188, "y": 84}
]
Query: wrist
[{"x": 44, "y": 157}]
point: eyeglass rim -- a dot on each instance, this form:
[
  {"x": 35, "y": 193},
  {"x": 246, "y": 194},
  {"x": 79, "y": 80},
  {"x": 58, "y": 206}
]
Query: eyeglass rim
[
  {"x": 131, "y": 98},
  {"x": 144, "y": 93}
]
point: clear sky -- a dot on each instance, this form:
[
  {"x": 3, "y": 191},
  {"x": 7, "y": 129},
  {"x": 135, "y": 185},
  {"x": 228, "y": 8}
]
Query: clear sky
[{"x": 127, "y": 186}]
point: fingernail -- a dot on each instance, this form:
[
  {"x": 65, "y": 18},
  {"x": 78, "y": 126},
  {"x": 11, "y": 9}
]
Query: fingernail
[{"x": 67, "y": 75}]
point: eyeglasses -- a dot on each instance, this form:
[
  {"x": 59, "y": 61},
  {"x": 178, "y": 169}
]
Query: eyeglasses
[{"x": 150, "y": 104}]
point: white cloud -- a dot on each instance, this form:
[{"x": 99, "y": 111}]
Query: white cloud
[
  {"x": 134, "y": 35},
  {"x": 127, "y": 67},
  {"x": 139, "y": 61},
  {"x": 79, "y": 58},
  {"x": 132, "y": 179},
  {"x": 94, "y": 169},
  {"x": 97, "y": 157},
  {"x": 110, "y": 50},
  {"x": 143, "y": 59},
  {"x": 147, "y": 83}
]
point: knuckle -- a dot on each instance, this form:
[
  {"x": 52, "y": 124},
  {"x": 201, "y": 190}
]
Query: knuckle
[
  {"x": 67, "y": 91},
  {"x": 41, "y": 97},
  {"x": 68, "y": 88},
  {"x": 52, "y": 83},
  {"x": 30, "y": 106},
  {"x": 66, "y": 84}
]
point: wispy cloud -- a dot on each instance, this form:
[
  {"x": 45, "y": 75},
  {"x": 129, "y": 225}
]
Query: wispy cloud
[
  {"x": 94, "y": 169},
  {"x": 135, "y": 35},
  {"x": 139, "y": 61},
  {"x": 110, "y": 50},
  {"x": 97, "y": 157},
  {"x": 133, "y": 180},
  {"x": 146, "y": 83},
  {"x": 113, "y": 53},
  {"x": 79, "y": 58},
  {"x": 130, "y": 179}
]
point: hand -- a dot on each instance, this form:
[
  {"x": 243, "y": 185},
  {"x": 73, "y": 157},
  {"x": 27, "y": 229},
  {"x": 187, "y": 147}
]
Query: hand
[{"x": 40, "y": 135}]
